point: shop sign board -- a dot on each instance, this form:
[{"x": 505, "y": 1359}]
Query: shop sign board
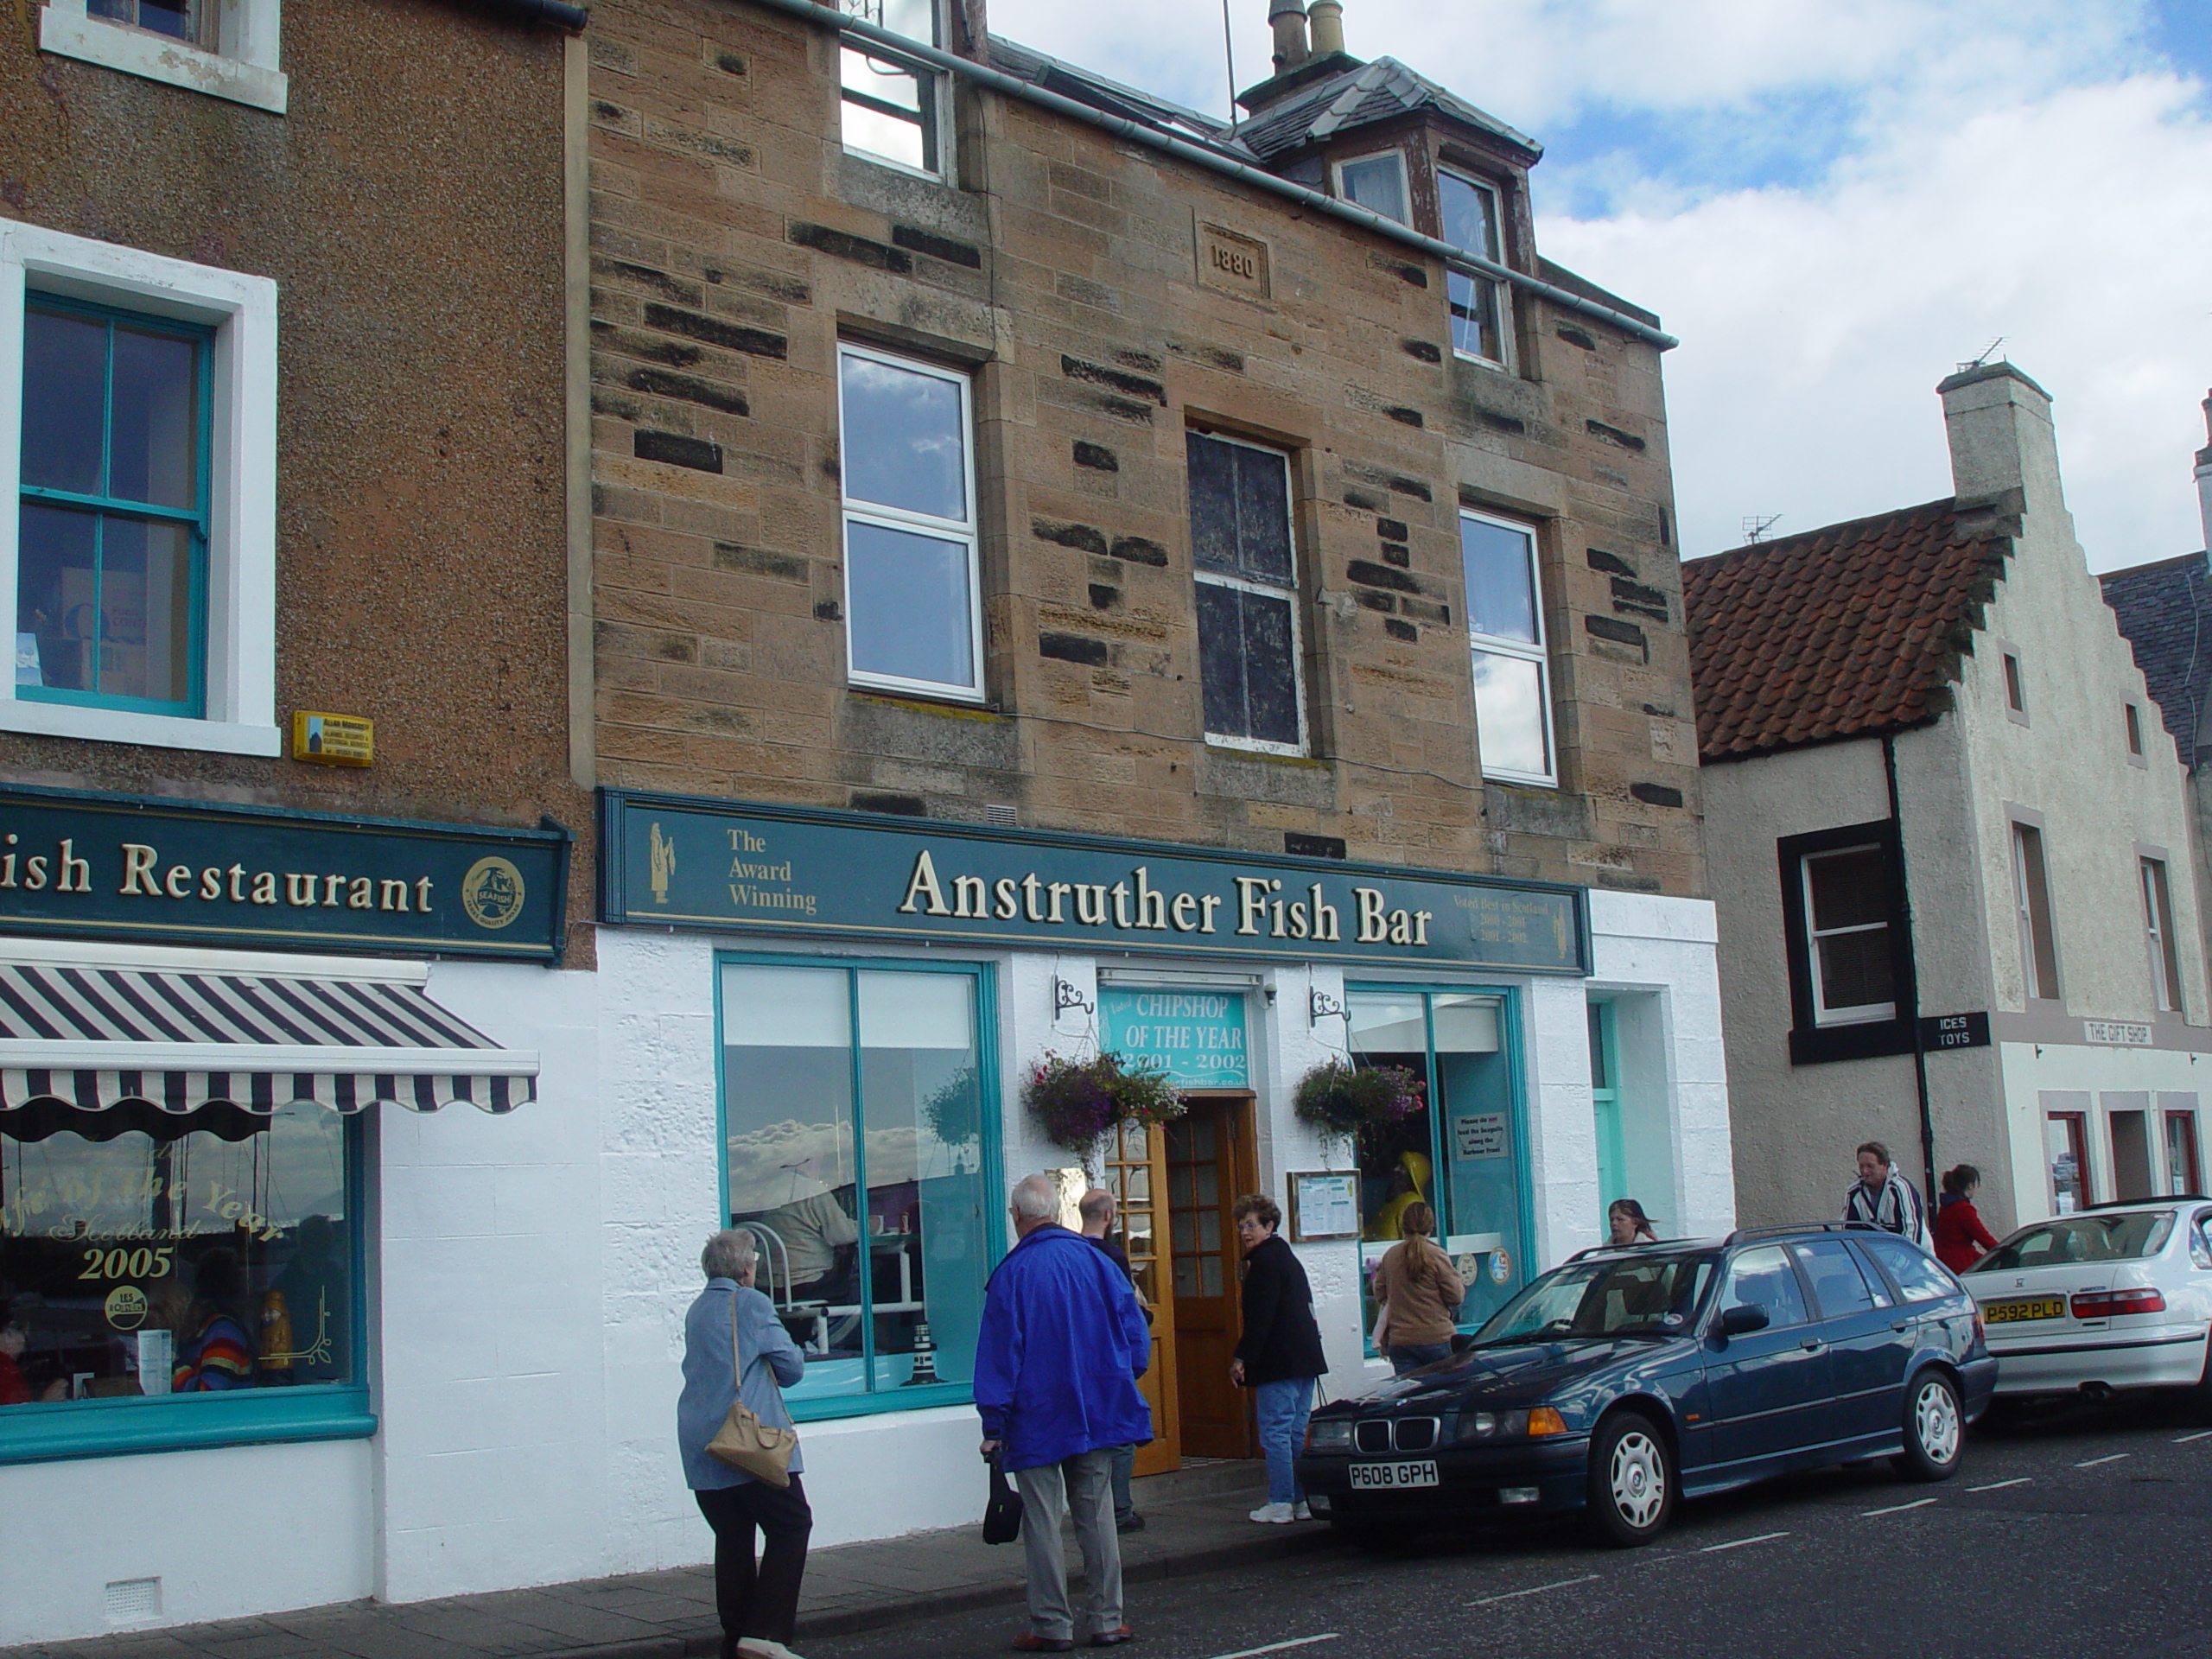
[
  {"x": 1480, "y": 1134},
  {"x": 1196, "y": 1037},
  {"x": 79, "y": 865},
  {"x": 680, "y": 862}
]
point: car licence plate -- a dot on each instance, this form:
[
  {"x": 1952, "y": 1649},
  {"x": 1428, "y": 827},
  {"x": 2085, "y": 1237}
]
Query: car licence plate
[
  {"x": 2033, "y": 1308},
  {"x": 1391, "y": 1477}
]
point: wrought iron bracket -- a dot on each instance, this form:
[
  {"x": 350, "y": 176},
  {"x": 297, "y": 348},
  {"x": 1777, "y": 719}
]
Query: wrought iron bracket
[{"x": 1320, "y": 1006}]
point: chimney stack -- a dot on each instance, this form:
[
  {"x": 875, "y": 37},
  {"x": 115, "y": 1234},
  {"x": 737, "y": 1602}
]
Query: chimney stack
[
  {"x": 2001, "y": 435},
  {"x": 1328, "y": 26},
  {"x": 2204, "y": 475},
  {"x": 1288, "y": 19}
]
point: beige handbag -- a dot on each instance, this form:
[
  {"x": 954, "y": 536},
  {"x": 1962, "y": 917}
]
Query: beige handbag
[{"x": 760, "y": 1450}]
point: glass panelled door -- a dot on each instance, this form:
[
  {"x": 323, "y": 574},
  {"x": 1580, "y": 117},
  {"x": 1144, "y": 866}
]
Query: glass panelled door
[
  {"x": 1606, "y": 1109},
  {"x": 1136, "y": 1175}
]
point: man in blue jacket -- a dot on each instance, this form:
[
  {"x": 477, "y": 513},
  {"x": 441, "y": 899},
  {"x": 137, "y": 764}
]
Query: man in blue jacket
[{"x": 1062, "y": 1344}]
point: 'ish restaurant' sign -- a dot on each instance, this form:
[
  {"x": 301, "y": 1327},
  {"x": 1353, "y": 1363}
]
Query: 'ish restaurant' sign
[
  {"x": 675, "y": 861},
  {"x": 123, "y": 867}
]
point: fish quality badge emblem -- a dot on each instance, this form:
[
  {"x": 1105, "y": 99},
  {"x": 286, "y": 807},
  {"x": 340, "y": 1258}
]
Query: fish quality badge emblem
[{"x": 491, "y": 892}]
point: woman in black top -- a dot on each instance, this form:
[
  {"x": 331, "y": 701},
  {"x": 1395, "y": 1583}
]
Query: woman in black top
[{"x": 1279, "y": 1355}]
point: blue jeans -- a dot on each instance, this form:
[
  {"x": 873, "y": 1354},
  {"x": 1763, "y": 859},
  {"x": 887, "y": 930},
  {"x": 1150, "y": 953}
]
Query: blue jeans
[
  {"x": 1283, "y": 1408},
  {"x": 1404, "y": 1356}
]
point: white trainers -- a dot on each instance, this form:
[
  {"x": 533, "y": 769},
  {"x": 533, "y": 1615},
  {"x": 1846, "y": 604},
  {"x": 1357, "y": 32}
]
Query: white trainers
[
  {"x": 759, "y": 1646},
  {"x": 1274, "y": 1514},
  {"x": 1302, "y": 1513}
]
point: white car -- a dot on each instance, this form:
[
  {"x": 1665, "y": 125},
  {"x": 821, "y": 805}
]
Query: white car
[{"x": 2116, "y": 1296}]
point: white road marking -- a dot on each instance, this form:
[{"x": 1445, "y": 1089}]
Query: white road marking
[
  {"x": 1737, "y": 1543},
  {"x": 1533, "y": 1590},
  {"x": 1897, "y": 1508},
  {"x": 1999, "y": 1486},
  {"x": 2200, "y": 1434},
  {"x": 2094, "y": 1462},
  {"x": 1278, "y": 1647}
]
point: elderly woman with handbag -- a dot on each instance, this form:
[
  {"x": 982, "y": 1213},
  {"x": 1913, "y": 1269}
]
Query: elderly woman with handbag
[{"x": 740, "y": 1454}]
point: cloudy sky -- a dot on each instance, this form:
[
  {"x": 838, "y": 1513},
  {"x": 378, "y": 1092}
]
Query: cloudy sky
[{"x": 1833, "y": 203}]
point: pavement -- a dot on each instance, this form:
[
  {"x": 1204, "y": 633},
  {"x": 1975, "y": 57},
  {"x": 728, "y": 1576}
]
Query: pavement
[{"x": 1195, "y": 1525}]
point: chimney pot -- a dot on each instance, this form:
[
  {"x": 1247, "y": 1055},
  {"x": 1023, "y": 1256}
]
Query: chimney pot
[
  {"x": 1288, "y": 18},
  {"x": 1328, "y": 17}
]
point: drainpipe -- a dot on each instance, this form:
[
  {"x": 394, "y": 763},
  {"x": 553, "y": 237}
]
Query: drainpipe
[
  {"x": 1198, "y": 155},
  {"x": 1912, "y": 980},
  {"x": 552, "y": 13}
]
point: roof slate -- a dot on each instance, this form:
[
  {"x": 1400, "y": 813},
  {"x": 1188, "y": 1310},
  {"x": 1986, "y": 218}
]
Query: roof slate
[
  {"x": 2165, "y": 611},
  {"x": 1850, "y": 631},
  {"x": 1360, "y": 95}
]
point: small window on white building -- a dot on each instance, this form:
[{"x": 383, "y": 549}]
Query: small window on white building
[
  {"x": 1471, "y": 220},
  {"x": 2134, "y": 716},
  {"x": 2032, "y": 899},
  {"x": 913, "y": 614},
  {"x": 225, "y": 48},
  {"x": 2016, "y": 689},
  {"x": 2158, "y": 931},
  {"x": 1848, "y": 906},
  {"x": 891, "y": 106},
  {"x": 1376, "y": 183},
  {"x": 1505, "y": 634}
]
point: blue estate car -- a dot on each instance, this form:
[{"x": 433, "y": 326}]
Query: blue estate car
[{"x": 1627, "y": 1379}]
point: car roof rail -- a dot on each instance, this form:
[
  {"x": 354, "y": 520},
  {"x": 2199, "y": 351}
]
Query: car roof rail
[
  {"x": 1743, "y": 1234},
  {"x": 2140, "y": 1203}
]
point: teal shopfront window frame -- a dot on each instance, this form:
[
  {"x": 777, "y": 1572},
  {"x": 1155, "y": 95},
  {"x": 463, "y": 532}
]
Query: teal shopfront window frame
[
  {"x": 984, "y": 981},
  {"x": 101, "y": 506},
  {"x": 262, "y": 1416},
  {"x": 1510, "y": 1000}
]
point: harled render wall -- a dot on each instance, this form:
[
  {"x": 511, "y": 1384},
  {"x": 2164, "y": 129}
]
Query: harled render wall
[{"x": 731, "y": 241}]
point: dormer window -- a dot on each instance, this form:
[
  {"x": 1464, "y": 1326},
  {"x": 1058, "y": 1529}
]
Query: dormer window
[
  {"x": 1376, "y": 183},
  {"x": 892, "y": 108},
  {"x": 1470, "y": 213}
]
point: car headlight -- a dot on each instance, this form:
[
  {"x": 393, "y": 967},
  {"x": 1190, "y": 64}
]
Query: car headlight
[
  {"x": 1333, "y": 1436},
  {"x": 1531, "y": 1424}
]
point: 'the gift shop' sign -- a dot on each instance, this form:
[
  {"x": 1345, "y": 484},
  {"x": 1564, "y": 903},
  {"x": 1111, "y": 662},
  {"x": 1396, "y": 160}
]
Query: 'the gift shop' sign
[
  {"x": 124, "y": 867},
  {"x": 676, "y": 861}
]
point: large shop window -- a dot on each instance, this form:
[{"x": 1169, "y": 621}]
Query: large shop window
[
  {"x": 1247, "y": 569},
  {"x": 914, "y": 620},
  {"x": 891, "y": 105},
  {"x": 1461, "y": 1153},
  {"x": 212, "y": 1253},
  {"x": 1505, "y": 628},
  {"x": 858, "y": 1152}
]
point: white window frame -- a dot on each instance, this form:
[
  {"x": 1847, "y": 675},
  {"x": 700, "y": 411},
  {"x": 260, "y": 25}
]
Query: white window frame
[
  {"x": 1294, "y": 595},
  {"x": 2156, "y": 882},
  {"x": 922, "y": 524},
  {"x": 1538, "y": 653},
  {"x": 1859, "y": 1014},
  {"x": 1498, "y": 288},
  {"x": 240, "y": 647},
  {"x": 242, "y": 68},
  {"x": 935, "y": 91},
  {"x": 1397, "y": 157}
]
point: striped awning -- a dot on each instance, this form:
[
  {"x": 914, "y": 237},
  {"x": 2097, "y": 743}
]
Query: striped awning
[{"x": 95, "y": 1038}]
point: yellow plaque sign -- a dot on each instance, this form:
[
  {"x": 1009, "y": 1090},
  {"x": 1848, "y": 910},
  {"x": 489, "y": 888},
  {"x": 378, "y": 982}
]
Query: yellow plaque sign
[{"x": 332, "y": 740}]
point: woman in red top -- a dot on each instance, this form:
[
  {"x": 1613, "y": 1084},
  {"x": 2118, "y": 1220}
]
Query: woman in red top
[
  {"x": 1960, "y": 1239},
  {"x": 14, "y": 1390}
]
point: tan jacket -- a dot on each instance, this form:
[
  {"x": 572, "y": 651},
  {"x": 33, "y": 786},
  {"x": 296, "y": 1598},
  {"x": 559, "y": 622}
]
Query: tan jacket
[{"x": 1422, "y": 1299}]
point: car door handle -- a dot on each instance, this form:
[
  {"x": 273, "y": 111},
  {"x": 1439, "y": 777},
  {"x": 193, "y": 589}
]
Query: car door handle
[
  {"x": 1902, "y": 1325},
  {"x": 1811, "y": 1346}
]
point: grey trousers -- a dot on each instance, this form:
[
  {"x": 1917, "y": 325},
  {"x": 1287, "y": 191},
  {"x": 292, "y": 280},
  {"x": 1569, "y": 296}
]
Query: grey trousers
[{"x": 1083, "y": 1486}]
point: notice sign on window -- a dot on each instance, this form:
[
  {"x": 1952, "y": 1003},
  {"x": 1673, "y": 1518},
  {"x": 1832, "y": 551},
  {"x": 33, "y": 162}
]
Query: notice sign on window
[
  {"x": 1480, "y": 1134},
  {"x": 1196, "y": 1037}
]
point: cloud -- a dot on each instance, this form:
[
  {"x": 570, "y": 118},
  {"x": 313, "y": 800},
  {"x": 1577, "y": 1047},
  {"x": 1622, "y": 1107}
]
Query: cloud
[{"x": 1832, "y": 202}]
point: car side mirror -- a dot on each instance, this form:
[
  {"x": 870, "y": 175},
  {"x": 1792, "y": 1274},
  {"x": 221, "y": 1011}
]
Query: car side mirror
[{"x": 1743, "y": 1318}]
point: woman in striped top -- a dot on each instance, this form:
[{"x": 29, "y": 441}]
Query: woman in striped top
[{"x": 219, "y": 1354}]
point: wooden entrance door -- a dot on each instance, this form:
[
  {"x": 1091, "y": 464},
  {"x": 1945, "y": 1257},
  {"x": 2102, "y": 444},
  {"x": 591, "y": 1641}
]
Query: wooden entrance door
[
  {"x": 1212, "y": 1158},
  {"x": 1136, "y": 1175}
]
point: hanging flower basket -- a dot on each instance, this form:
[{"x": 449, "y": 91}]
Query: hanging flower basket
[
  {"x": 1358, "y": 1101},
  {"x": 1076, "y": 1102}
]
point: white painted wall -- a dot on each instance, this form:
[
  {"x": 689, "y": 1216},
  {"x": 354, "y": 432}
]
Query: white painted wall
[{"x": 244, "y": 1529}]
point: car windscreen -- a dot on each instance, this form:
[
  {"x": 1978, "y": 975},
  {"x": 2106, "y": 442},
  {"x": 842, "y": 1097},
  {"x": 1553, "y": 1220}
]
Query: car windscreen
[
  {"x": 2128, "y": 1236},
  {"x": 1642, "y": 1296}
]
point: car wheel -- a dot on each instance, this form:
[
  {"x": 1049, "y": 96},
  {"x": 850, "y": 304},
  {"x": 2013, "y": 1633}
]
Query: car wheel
[
  {"x": 1935, "y": 1429},
  {"x": 1631, "y": 1494}
]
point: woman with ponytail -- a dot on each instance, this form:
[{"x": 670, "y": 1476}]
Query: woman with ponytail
[{"x": 1419, "y": 1290}]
